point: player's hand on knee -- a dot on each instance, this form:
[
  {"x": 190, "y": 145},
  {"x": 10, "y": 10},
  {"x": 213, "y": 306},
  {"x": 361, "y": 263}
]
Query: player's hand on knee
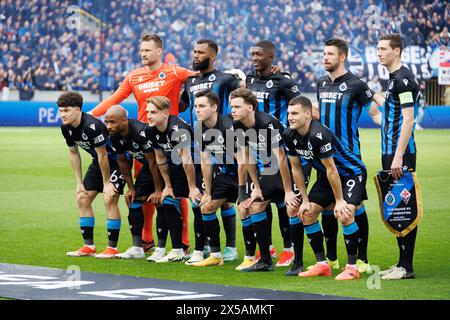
[
  {"x": 292, "y": 200},
  {"x": 195, "y": 195},
  {"x": 305, "y": 210},
  {"x": 109, "y": 190},
  {"x": 167, "y": 192},
  {"x": 155, "y": 198},
  {"x": 205, "y": 199},
  {"x": 256, "y": 194},
  {"x": 81, "y": 189},
  {"x": 341, "y": 209},
  {"x": 129, "y": 197}
]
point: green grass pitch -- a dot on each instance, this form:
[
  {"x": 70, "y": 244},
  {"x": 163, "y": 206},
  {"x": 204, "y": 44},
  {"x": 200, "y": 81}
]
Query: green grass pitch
[{"x": 39, "y": 222}]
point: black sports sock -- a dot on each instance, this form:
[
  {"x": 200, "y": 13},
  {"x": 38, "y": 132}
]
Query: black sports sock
[
  {"x": 363, "y": 236},
  {"x": 199, "y": 230},
  {"x": 283, "y": 221},
  {"x": 269, "y": 220},
  {"x": 161, "y": 227},
  {"x": 330, "y": 231},
  {"x": 249, "y": 237},
  {"x": 87, "y": 230},
  {"x": 212, "y": 230},
  {"x": 136, "y": 222},
  {"x": 406, "y": 246},
  {"x": 174, "y": 221},
  {"x": 315, "y": 238},
  {"x": 229, "y": 225},
  {"x": 261, "y": 228},
  {"x": 297, "y": 235},
  {"x": 113, "y": 226},
  {"x": 351, "y": 242}
]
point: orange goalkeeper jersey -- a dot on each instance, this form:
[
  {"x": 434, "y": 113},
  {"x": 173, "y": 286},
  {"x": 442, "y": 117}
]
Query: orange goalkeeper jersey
[{"x": 165, "y": 81}]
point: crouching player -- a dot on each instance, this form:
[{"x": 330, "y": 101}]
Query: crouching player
[
  {"x": 103, "y": 175},
  {"x": 131, "y": 137},
  {"x": 341, "y": 178}
]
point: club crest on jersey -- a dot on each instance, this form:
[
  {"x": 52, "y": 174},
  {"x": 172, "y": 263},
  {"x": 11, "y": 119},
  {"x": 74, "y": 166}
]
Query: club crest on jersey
[
  {"x": 309, "y": 145},
  {"x": 162, "y": 75},
  {"x": 212, "y": 77},
  {"x": 84, "y": 136},
  {"x": 135, "y": 145},
  {"x": 343, "y": 86},
  {"x": 269, "y": 84},
  {"x": 142, "y": 133},
  {"x": 92, "y": 126}
]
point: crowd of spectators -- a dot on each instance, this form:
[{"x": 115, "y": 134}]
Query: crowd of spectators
[{"x": 41, "y": 49}]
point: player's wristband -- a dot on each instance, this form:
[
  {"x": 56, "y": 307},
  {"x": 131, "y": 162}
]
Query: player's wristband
[{"x": 242, "y": 194}]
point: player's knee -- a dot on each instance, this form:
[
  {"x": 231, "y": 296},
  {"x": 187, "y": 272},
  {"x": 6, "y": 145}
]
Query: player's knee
[
  {"x": 84, "y": 199},
  {"x": 208, "y": 208},
  {"x": 111, "y": 201},
  {"x": 292, "y": 212},
  {"x": 258, "y": 207}
]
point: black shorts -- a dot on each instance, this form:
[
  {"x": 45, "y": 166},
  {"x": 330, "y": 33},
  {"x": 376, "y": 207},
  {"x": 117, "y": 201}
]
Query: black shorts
[
  {"x": 179, "y": 180},
  {"x": 271, "y": 187},
  {"x": 353, "y": 189},
  {"x": 409, "y": 160},
  {"x": 225, "y": 186},
  {"x": 144, "y": 184},
  {"x": 93, "y": 179},
  {"x": 306, "y": 173}
]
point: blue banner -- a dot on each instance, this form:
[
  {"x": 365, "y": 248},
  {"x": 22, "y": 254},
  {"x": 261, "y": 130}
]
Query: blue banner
[{"x": 45, "y": 114}]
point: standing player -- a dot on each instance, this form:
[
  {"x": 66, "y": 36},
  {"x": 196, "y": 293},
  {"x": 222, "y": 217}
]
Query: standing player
[
  {"x": 103, "y": 175},
  {"x": 131, "y": 137},
  {"x": 219, "y": 171},
  {"x": 171, "y": 138},
  {"x": 341, "y": 179},
  {"x": 397, "y": 136},
  {"x": 274, "y": 91},
  {"x": 258, "y": 136},
  {"x": 155, "y": 78},
  {"x": 342, "y": 96},
  {"x": 221, "y": 84}
]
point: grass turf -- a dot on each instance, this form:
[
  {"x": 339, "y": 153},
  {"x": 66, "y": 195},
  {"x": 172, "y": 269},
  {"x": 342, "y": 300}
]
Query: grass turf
[{"x": 39, "y": 222}]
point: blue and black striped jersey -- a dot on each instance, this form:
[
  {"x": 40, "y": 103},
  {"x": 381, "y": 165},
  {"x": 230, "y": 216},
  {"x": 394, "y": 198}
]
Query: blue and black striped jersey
[
  {"x": 340, "y": 105},
  {"x": 90, "y": 134},
  {"x": 136, "y": 143},
  {"x": 403, "y": 92},
  {"x": 274, "y": 92},
  {"x": 321, "y": 143},
  {"x": 219, "y": 82}
]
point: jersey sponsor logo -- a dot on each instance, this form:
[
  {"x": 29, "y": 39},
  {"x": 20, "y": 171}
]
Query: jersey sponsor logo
[
  {"x": 212, "y": 77},
  {"x": 330, "y": 95},
  {"x": 99, "y": 138},
  {"x": 151, "y": 86},
  {"x": 343, "y": 86},
  {"x": 148, "y": 145},
  {"x": 319, "y": 135},
  {"x": 325, "y": 148},
  {"x": 305, "y": 154},
  {"x": 269, "y": 84},
  {"x": 201, "y": 86},
  {"x": 92, "y": 126},
  {"x": 261, "y": 96},
  {"x": 84, "y": 136}
]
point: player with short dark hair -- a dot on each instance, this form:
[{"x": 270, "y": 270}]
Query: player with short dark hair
[
  {"x": 171, "y": 139},
  {"x": 103, "y": 175},
  {"x": 221, "y": 83},
  {"x": 131, "y": 139},
  {"x": 398, "y": 147},
  {"x": 341, "y": 178},
  {"x": 342, "y": 97},
  {"x": 219, "y": 171},
  {"x": 274, "y": 91},
  {"x": 258, "y": 137}
]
